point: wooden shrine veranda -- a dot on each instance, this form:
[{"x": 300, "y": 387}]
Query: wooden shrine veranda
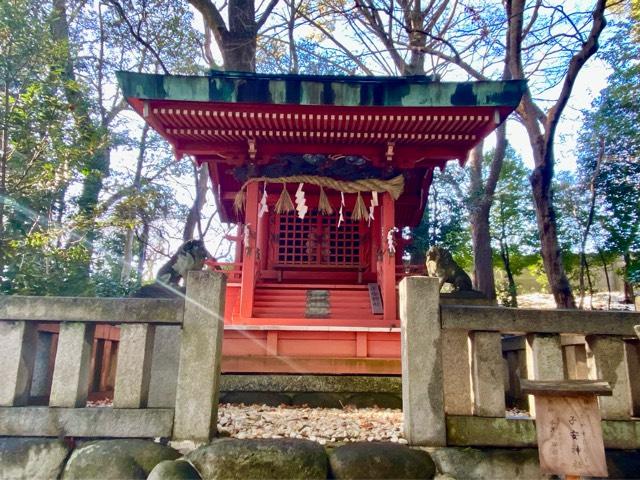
[{"x": 311, "y": 292}]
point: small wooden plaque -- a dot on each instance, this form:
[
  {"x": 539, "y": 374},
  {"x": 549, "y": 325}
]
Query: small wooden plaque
[
  {"x": 375, "y": 299},
  {"x": 570, "y": 435}
]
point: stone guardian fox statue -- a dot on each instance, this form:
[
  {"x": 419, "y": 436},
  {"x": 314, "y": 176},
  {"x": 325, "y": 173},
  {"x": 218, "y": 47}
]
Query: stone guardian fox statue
[
  {"x": 441, "y": 264},
  {"x": 190, "y": 256}
]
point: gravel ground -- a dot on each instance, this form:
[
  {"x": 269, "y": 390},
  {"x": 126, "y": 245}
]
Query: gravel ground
[
  {"x": 323, "y": 425},
  {"x": 600, "y": 301}
]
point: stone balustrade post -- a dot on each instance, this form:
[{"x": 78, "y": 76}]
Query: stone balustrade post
[
  {"x": 134, "y": 365},
  {"x": 607, "y": 361},
  {"x": 456, "y": 360},
  {"x": 544, "y": 360},
  {"x": 422, "y": 375},
  {"x": 198, "y": 387},
  {"x": 17, "y": 356},
  {"x": 488, "y": 374},
  {"x": 70, "y": 384}
]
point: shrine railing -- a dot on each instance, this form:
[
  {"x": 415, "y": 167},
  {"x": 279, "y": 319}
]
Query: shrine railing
[
  {"x": 25, "y": 352},
  {"x": 460, "y": 363},
  {"x": 232, "y": 270}
]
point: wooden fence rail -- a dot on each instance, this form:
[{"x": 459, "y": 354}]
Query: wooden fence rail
[{"x": 198, "y": 316}]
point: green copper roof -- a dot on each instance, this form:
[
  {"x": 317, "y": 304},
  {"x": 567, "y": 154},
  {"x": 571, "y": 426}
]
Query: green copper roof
[{"x": 418, "y": 91}]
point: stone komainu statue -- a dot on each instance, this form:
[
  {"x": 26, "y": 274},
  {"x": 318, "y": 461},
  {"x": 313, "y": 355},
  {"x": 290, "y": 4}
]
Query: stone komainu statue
[
  {"x": 441, "y": 264},
  {"x": 190, "y": 256}
]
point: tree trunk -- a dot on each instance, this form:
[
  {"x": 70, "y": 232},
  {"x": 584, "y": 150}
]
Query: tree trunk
[
  {"x": 506, "y": 261},
  {"x": 534, "y": 120},
  {"x": 92, "y": 137},
  {"x": 592, "y": 209},
  {"x": 606, "y": 276},
  {"x": 628, "y": 288},
  {"x": 142, "y": 251},
  {"x": 548, "y": 233},
  {"x": 483, "y": 278},
  {"x": 4, "y": 159},
  {"x": 195, "y": 212},
  {"x": 127, "y": 256}
]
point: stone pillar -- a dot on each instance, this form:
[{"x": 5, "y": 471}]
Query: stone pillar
[
  {"x": 575, "y": 357},
  {"x": 422, "y": 376},
  {"x": 134, "y": 366},
  {"x": 164, "y": 367},
  {"x": 198, "y": 389},
  {"x": 41, "y": 383},
  {"x": 637, "y": 299},
  {"x": 607, "y": 361},
  {"x": 633, "y": 364},
  {"x": 513, "y": 349},
  {"x": 488, "y": 374},
  {"x": 17, "y": 354},
  {"x": 456, "y": 364},
  {"x": 544, "y": 360},
  {"x": 70, "y": 384}
]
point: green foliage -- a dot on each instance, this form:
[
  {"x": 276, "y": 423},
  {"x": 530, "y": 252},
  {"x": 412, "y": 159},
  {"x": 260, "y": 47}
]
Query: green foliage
[{"x": 614, "y": 121}]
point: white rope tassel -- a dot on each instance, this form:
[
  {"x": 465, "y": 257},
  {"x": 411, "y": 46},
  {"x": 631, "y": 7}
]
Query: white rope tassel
[
  {"x": 301, "y": 206},
  {"x": 264, "y": 208},
  {"x": 341, "y": 218}
]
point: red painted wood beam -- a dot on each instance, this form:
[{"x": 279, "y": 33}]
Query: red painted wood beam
[
  {"x": 249, "y": 255},
  {"x": 388, "y": 283}
]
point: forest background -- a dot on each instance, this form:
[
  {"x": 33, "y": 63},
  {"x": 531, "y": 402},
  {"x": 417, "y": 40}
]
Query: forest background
[{"x": 92, "y": 201}]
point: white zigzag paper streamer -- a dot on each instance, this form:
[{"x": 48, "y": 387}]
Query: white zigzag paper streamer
[
  {"x": 341, "y": 219},
  {"x": 374, "y": 204},
  {"x": 301, "y": 206},
  {"x": 264, "y": 208}
]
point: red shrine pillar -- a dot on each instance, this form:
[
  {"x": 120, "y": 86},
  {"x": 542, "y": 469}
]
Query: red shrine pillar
[
  {"x": 389, "y": 299},
  {"x": 249, "y": 263}
]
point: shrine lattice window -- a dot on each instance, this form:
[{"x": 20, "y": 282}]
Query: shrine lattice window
[{"x": 317, "y": 240}]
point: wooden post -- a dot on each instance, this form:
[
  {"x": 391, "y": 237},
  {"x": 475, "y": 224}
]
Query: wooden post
[
  {"x": 198, "y": 388},
  {"x": 389, "y": 299},
  {"x": 422, "y": 393},
  {"x": 263, "y": 240},
  {"x": 70, "y": 384},
  {"x": 17, "y": 356},
  {"x": 249, "y": 252}
]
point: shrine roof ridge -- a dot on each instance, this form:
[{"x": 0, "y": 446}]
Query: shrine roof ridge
[{"x": 283, "y": 89}]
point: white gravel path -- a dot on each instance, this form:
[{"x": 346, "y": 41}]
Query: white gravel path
[{"x": 323, "y": 425}]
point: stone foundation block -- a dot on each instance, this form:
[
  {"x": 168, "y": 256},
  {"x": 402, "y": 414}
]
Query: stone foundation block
[
  {"x": 27, "y": 458},
  {"x": 473, "y": 463},
  {"x": 380, "y": 461},
  {"x": 170, "y": 470},
  {"x": 232, "y": 459},
  {"x": 116, "y": 459}
]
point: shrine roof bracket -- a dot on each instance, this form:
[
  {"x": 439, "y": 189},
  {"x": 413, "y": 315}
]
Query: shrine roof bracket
[{"x": 239, "y": 87}]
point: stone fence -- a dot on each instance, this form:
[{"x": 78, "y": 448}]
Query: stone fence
[
  {"x": 458, "y": 361},
  {"x": 24, "y": 354}
]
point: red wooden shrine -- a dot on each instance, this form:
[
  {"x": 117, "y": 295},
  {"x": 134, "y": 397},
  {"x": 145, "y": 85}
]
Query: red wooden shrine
[{"x": 313, "y": 294}]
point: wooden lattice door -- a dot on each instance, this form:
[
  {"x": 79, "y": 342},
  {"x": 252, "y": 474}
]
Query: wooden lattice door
[{"x": 317, "y": 240}]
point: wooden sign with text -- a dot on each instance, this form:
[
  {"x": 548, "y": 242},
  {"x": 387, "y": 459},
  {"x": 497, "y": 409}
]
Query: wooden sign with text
[{"x": 568, "y": 426}]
